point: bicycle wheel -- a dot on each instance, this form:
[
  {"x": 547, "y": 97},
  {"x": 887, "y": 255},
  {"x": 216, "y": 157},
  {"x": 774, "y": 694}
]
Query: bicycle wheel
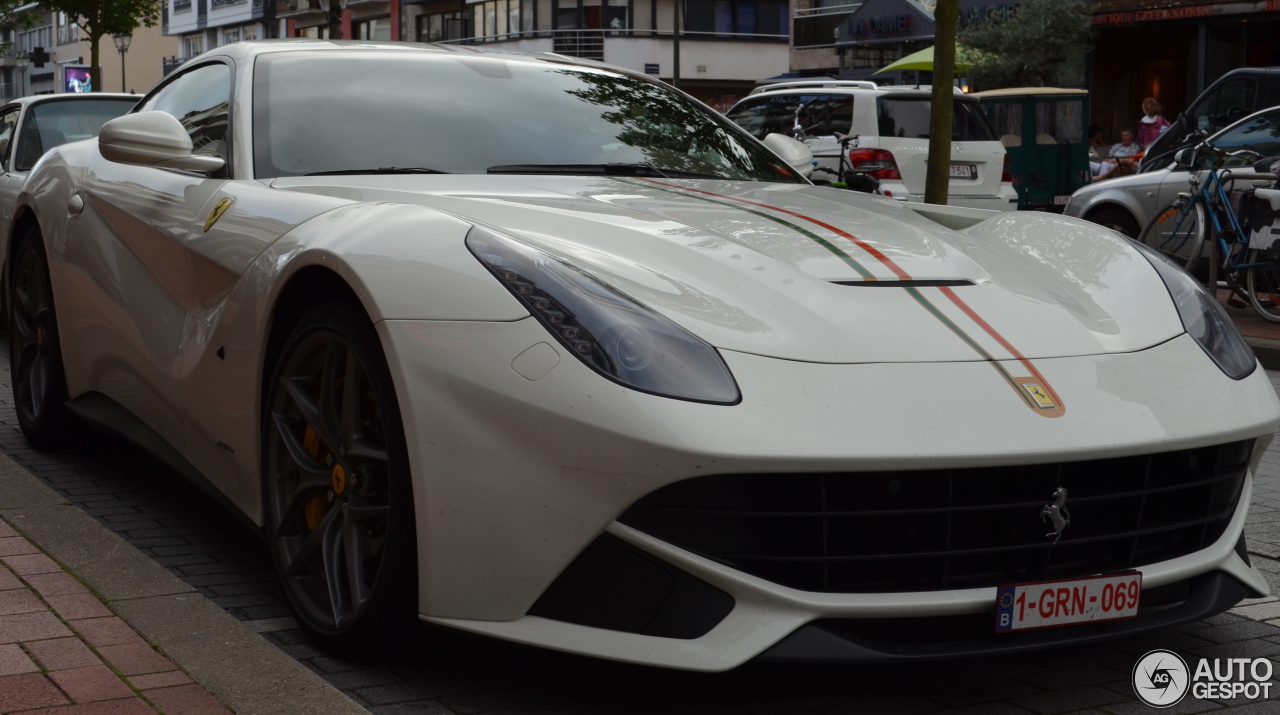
[
  {"x": 1263, "y": 285},
  {"x": 1178, "y": 232}
]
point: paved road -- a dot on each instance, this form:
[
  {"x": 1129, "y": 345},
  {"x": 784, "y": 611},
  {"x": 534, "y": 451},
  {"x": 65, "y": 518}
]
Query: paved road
[{"x": 439, "y": 672}]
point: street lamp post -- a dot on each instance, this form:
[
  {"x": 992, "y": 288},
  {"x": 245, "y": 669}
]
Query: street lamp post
[
  {"x": 23, "y": 62},
  {"x": 122, "y": 44}
]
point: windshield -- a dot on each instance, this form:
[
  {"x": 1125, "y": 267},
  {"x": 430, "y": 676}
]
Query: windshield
[
  {"x": 908, "y": 117},
  {"x": 51, "y": 124},
  {"x": 332, "y": 112}
]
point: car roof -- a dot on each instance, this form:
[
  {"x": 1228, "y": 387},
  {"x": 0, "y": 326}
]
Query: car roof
[
  {"x": 68, "y": 96},
  {"x": 249, "y": 49},
  {"x": 1027, "y": 92}
]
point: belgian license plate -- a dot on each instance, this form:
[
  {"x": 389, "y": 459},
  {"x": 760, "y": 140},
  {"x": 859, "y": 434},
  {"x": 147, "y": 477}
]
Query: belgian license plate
[
  {"x": 964, "y": 171},
  {"x": 1048, "y": 604},
  {"x": 1061, "y": 199}
]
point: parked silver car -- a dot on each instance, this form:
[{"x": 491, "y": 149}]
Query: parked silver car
[{"x": 1126, "y": 204}]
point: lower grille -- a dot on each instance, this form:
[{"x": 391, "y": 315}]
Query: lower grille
[{"x": 886, "y": 532}]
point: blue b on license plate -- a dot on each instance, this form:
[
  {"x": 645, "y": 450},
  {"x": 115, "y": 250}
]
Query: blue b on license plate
[{"x": 1048, "y": 604}]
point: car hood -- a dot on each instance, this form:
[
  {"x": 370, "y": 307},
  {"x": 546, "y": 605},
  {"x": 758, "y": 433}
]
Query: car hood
[{"x": 817, "y": 274}]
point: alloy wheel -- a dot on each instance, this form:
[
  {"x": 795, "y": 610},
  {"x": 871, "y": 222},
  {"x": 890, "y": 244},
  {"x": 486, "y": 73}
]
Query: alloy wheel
[
  {"x": 32, "y": 329},
  {"x": 328, "y": 491}
]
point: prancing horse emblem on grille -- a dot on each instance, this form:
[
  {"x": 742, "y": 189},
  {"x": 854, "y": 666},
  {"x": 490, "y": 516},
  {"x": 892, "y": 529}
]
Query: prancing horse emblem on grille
[{"x": 1057, "y": 513}]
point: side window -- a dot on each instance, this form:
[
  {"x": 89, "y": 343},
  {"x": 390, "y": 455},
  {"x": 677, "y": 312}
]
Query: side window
[
  {"x": 1260, "y": 135},
  {"x": 1234, "y": 100},
  {"x": 8, "y": 123},
  {"x": 201, "y": 101},
  {"x": 1006, "y": 119},
  {"x": 817, "y": 115}
]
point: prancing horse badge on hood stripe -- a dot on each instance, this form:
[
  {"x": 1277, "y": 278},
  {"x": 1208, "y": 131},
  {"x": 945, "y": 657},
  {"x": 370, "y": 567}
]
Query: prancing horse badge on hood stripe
[{"x": 216, "y": 213}]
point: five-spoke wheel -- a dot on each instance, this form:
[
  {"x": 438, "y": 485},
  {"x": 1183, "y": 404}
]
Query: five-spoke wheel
[{"x": 339, "y": 511}]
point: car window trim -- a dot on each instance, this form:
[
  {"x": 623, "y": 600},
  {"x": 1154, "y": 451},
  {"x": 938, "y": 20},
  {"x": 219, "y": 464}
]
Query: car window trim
[
  {"x": 230, "y": 64},
  {"x": 5, "y": 163}
]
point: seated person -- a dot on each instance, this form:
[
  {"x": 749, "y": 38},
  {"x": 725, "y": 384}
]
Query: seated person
[{"x": 1126, "y": 153}]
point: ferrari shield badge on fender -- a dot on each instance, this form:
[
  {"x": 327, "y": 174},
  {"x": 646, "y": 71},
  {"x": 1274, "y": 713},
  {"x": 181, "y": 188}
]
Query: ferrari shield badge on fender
[
  {"x": 1038, "y": 393},
  {"x": 216, "y": 213}
]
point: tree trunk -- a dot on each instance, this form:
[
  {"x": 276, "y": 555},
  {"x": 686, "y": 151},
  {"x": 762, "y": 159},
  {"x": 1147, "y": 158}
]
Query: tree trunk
[
  {"x": 945, "y": 19},
  {"x": 95, "y": 67}
]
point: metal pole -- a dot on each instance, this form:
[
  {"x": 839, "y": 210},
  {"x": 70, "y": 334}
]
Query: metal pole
[
  {"x": 675, "y": 46},
  {"x": 122, "y": 70}
]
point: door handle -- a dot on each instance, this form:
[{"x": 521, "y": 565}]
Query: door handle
[{"x": 75, "y": 205}]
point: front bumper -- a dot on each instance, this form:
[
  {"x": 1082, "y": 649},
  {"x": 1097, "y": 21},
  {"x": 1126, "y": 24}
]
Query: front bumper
[{"x": 515, "y": 477}]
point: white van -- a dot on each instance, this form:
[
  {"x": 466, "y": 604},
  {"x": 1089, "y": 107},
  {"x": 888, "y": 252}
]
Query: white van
[{"x": 892, "y": 126}]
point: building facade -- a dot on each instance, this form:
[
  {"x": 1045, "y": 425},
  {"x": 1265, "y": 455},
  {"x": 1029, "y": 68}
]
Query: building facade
[
  {"x": 726, "y": 45},
  {"x": 1173, "y": 50},
  {"x": 67, "y": 67}
]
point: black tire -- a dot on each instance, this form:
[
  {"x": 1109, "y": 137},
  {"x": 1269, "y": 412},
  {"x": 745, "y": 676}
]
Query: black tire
[
  {"x": 35, "y": 352},
  {"x": 1178, "y": 233},
  {"x": 344, "y": 544},
  {"x": 1262, "y": 285},
  {"x": 1117, "y": 220}
]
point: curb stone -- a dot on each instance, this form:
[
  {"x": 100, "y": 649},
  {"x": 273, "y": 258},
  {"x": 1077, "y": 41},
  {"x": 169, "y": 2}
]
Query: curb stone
[{"x": 234, "y": 663}]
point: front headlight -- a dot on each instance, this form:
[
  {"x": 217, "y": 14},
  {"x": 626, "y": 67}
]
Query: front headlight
[
  {"x": 1204, "y": 317},
  {"x": 613, "y": 334}
]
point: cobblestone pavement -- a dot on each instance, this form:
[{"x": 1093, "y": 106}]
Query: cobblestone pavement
[
  {"x": 54, "y": 637},
  {"x": 439, "y": 672}
]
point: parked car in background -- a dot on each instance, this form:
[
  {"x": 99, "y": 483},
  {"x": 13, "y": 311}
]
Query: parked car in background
[
  {"x": 1127, "y": 203},
  {"x": 1043, "y": 130},
  {"x": 892, "y": 126},
  {"x": 31, "y": 126},
  {"x": 1234, "y": 96}
]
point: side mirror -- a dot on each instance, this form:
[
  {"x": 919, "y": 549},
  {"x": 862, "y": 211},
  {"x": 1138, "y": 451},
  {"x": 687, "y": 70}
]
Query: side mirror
[
  {"x": 153, "y": 139},
  {"x": 1185, "y": 157},
  {"x": 796, "y": 154}
]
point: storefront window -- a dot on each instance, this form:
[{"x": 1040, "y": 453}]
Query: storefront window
[
  {"x": 375, "y": 29},
  {"x": 736, "y": 17}
]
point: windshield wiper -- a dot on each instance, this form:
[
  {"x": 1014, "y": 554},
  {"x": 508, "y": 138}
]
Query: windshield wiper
[
  {"x": 579, "y": 169},
  {"x": 379, "y": 170},
  {"x": 619, "y": 169}
]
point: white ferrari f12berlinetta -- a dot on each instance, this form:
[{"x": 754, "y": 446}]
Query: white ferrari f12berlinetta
[{"x": 543, "y": 349}]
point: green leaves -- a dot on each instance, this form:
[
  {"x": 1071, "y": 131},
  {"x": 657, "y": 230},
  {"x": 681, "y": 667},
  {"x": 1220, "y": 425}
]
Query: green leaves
[
  {"x": 1042, "y": 45},
  {"x": 106, "y": 17}
]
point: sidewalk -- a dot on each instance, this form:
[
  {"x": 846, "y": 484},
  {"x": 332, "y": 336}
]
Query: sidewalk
[
  {"x": 89, "y": 625},
  {"x": 63, "y": 652}
]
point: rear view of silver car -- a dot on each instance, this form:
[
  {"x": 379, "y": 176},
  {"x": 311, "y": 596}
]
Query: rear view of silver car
[{"x": 892, "y": 129}]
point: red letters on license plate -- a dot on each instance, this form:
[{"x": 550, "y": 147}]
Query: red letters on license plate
[{"x": 1049, "y": 604}]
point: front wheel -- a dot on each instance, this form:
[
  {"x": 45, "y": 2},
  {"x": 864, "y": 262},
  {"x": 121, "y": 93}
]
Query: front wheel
[
  {"x": 1262, "y": 284},
  {"x": 1178, "y": 232},
  {"x": 338, "y": 500}
]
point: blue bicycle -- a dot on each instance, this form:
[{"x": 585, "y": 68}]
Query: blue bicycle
[{"x": 1180, "y": 230}]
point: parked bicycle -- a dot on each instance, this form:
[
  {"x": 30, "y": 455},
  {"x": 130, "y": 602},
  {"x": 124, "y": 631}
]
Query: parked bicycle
[
  {"x": 848, "y": 176},
  {"x": 1206, "y": 213}
]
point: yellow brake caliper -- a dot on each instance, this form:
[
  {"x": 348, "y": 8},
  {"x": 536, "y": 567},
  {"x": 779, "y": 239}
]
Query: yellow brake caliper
[{"x": 317, "y": 505}]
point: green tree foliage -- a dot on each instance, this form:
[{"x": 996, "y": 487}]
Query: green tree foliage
[
  {"x": 101, "y": 18},
  {"x": 1035, "y": 47},
  {"x": 12, "y": 18}
]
